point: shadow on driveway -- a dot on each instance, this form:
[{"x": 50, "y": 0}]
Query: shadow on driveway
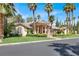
[{"x": 66, "y": 49}]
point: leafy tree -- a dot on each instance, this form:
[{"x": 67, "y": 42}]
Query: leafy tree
[
  {"x": 77, "y": 27},
  {"x": 51, "y": 19},
  {"x": 29, "y": 19},
  {"x": 38, "y": 16},
  {"x": 57, "y": 23},
  {"x": 19, "y": 19}
]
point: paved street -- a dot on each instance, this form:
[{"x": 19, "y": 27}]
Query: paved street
[{"x": 51, "y": 48}]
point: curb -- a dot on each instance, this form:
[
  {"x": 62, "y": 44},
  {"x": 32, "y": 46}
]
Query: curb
[
  {"x": 70, "y": 38},
  {"x": 7, "y": 44}
]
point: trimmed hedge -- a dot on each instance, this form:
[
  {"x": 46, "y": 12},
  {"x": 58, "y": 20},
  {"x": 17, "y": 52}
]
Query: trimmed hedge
[{"x": 37, "y": 35}]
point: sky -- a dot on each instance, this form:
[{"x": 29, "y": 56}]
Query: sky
[{"x": 22, "y": 8}]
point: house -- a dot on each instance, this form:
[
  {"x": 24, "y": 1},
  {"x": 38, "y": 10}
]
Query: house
[
  {"x": 41, "y": 27},
  {"x": 21, "y": 28}
]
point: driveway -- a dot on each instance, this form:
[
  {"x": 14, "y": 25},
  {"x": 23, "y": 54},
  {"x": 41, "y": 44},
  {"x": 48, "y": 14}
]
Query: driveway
[{"x": 51, "y": 48}]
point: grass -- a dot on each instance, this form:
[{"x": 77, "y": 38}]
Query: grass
[
  {"x": 23, "y": 39},
  {"x": 67, "y": 36},
  {"x": 34, "y": 38}
]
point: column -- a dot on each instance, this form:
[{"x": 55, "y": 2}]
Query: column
[
  {"x": 45, "y": 29},
  {"x": 42, "y": 29},
  {"x": 37, "y": 29}
]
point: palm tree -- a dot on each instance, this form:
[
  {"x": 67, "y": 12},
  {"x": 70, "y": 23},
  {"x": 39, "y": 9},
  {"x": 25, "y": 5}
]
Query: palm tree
[
  {"x": 51, "y": 19},
  {"x": 33, "y": 7},
  {"x": 1, "y": 21},
  {"x": 10, "y": 11},
  {"x": 10, "y": 8},
  {"x": 48, "y": 9},
  {"x": 72, "y": 10},
  {"x": 78, "y": 25},
  {"x": 6, "y": 9},
  {"x": 67, "y": 10},
  {"x": 73, "y": 27}
]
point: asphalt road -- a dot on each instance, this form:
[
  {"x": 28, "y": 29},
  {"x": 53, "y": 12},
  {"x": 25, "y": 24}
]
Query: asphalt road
[{"x": 52, "y": 48}]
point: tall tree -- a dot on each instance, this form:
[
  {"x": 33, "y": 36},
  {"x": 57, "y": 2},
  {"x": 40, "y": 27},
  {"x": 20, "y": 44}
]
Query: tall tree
[
  {"x": 51, "y": 19},
  {"x": 10, "y": 12},
  {"x": 67, "y": 10},
  {"x": 5, "y": 10},
  {"x": 29, "y": 19},
  {"x": 73, "y": 25},
  {"x": 57, "y": 23},
  {"x": 33, "y": 7},
  {"x": 72, "y": 9},
  {"x": 73, "y": 18},
  {"x": 48, "y": 9},
  {"x": 2, "y": 13},
  {"x": 19, "y": 18},
  {"x": 78, "y": 25},
  {"x": 38, "y": 16}
]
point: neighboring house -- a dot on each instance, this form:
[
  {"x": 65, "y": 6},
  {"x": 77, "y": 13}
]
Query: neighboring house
[
  {"x": 41, "y": 28},
  {"x": 21, "y": 28}
]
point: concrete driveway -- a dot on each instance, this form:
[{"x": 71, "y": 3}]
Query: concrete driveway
[{"x": 51, "y": 48}]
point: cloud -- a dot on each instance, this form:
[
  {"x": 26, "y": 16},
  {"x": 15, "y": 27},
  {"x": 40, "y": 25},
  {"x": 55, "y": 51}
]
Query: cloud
[
  {"x": 57, "y": 12},
  {"x": 43, "y": 15},
  {"x": 25, "y": 16},
  {"x": 54, "y": 13}
]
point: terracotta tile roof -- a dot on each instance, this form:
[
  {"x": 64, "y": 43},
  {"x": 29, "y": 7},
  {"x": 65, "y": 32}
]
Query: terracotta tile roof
[{"x": 26, "y": 25}]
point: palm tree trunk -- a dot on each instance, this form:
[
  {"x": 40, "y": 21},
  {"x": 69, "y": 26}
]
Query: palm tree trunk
[
  {"x": 67, "y": 20},
  {"x": 49, "y": 34},
  {"x": 34, "y": 28},
  {"x": 69, "y": 24},
  {"x": 72, "y": 17},
  {"x": 73, "y": 26},
  {"x": 5, "y": 27},
  {"x": 48, "y": 16},
  {"x": 1, "y": 27}
]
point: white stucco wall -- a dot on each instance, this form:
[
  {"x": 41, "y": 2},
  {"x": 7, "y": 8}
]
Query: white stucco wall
[
  {"x": 65, "y": 31},
  {"x": 23, "y": 31}
]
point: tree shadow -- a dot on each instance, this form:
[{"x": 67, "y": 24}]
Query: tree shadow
[{"x": 65, "y": 49}]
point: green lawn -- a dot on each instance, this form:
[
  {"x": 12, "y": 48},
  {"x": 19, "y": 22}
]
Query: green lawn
[
  {"x": 34, "y": 38},
  {"x": 67, "y": 36},
  {"x": 23, "y": 39}
]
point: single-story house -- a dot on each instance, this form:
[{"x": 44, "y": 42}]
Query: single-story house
[{"x": 41, "y": 27}]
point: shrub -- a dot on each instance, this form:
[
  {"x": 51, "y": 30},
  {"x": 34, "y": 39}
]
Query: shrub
[
  {"x": 14, "y": 35},
  {"x": 41, "y": 35},
  {"x": 37, "y": 35}
]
